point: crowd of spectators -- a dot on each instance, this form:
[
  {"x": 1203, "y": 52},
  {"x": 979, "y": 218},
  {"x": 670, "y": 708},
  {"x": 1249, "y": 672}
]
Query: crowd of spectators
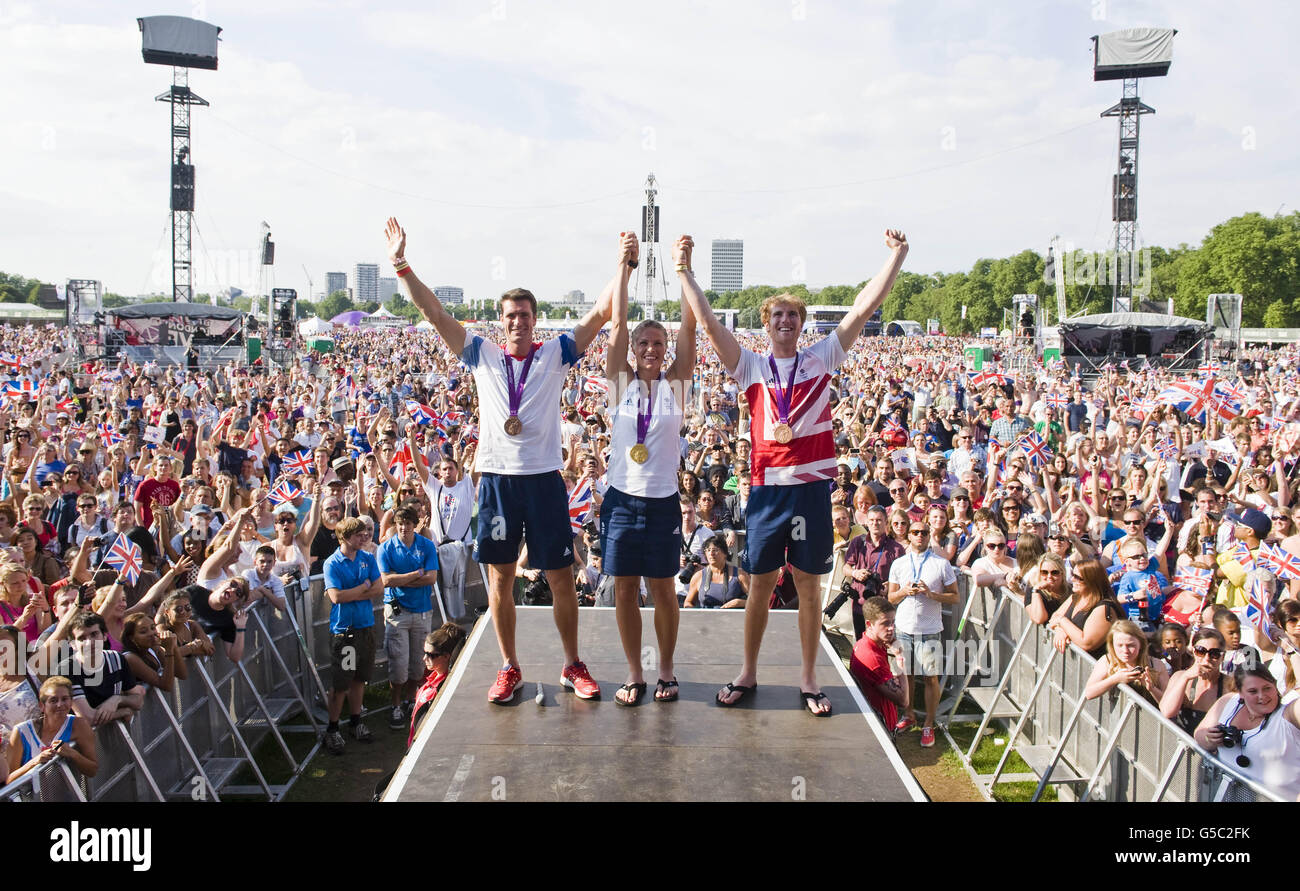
[{"x": 1149, "y": 538}]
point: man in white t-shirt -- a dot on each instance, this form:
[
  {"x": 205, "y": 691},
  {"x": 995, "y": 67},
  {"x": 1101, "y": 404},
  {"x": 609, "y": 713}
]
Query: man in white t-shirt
[
  {"x": 920, "y": 583},
  {"x": 451, "y": 497},
  {"x": 521, "y": 496}
]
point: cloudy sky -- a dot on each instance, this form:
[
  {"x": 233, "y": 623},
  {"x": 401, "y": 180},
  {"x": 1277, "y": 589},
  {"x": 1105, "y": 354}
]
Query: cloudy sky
[{"x": 512, "y": 139}]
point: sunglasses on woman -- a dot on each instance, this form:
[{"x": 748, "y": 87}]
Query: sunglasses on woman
[{"x": 1213, "y": 653}]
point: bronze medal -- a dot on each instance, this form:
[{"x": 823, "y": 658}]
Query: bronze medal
[
  {"x": 782, "y": 433},
  {"x": 639, "y": 453},
  {"x": 514, "y": 425}
]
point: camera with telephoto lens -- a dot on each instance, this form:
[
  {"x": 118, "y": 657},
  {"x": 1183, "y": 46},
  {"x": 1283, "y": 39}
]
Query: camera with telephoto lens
[
  {"x": 692, "y": 563},
  {"x": 1231, "y": 735},
  {"x": 870, "y": 588}
]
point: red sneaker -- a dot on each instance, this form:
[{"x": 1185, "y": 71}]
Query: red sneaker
[
  {"x": 578, "y": 679},
  {"x": 927, "y": 737},
  {"x": 509, "y": 680}
]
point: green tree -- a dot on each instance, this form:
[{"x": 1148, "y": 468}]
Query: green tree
[
  {"x": 1252, "y": 255},
  {"x": 335, "y": 303}
]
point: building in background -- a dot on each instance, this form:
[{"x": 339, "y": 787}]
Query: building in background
[
  {"x": 449, "y": 294},
  {"x": 365, "y": 283},
  {"x": 387, "y": 288},
  {"x": 728, "y": 261},
  {"x": 335, "y": 281}
]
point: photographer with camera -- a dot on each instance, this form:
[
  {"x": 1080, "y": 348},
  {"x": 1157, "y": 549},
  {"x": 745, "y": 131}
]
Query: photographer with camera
[
  {"x": 868, "y": 562},
  {"x": 920, "y": 583},
  {"x": 1258, "y": 730}
]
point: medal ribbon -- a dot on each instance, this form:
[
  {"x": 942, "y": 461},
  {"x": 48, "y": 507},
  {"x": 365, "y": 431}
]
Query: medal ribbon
[
  {"x": 643, "y": 420},
  {"x": 515, "y": 393},
  {"x": 783, "y": 393}
]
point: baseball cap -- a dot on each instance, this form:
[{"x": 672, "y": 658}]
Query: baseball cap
[{"x": 1257, "y": 521}]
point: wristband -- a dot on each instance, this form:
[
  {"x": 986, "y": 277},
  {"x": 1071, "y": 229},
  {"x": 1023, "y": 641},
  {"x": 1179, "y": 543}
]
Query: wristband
[
  {"x": 403, "y": 271},
  {"x": 682, "y": 267},
  {"x": 240, "y": 630}
]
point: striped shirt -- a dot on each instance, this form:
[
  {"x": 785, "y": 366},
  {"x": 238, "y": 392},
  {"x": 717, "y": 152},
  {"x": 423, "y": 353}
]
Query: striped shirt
[{"x": 810, "y": 455}]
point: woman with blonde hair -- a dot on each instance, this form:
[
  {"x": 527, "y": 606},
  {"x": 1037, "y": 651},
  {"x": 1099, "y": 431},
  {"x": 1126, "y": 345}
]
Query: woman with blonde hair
[
  {"x": 1127, "y": 661},
  {"x": 57, "y": 732}
]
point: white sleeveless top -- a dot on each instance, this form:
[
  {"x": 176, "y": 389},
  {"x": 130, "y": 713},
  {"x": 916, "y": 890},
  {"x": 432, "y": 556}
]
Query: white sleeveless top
[{"x": 657, "y": 477}]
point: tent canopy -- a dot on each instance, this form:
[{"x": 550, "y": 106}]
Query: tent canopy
[
  {"x": 350, "y": 319},
  {"x": 314, "y": 325},
  {"x": 1169, "y": 340},
  {"x": 1116, "y": 320},
  {"x": 170, "y": 309}
]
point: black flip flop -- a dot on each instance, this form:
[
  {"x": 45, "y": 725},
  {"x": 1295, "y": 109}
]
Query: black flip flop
[
  {"x": 809, "y": 699},
  {"x": 661, "y": 685},
  {"x": 733, "y": 688},
  {"x": 640, "y": 695}
]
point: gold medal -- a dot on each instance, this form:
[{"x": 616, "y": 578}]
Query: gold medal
[
  {"x": 514, "y": 425},
  {"x": 639, "y": 453},
  {"x": 782, "y": 433}
]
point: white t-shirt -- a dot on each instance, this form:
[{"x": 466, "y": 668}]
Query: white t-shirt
[
  {"x": 537, "y": 447},
  {"x": 657, "y": 478},
  {"x": 921, "y": 615},
  {"x": 454, "y": 505}
]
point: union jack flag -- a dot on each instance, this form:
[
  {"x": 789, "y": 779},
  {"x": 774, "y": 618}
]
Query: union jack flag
[
  {"x": 1140, "y": 408},
  {"x": 125, "y": 557},
  {"x": 1194, "y": 579},
  {"x": 1240, "y": 552},
  {"x": 981, "y": 378},
  {"x": 19, "y": 391},
  {"x": 402, "y": 459},
  {"x": 579, "y": 504},
  {"x": 1194, "y": 399},
  {"x": 108, "y": 436},
  {"x": 421, "y": 414},
  {"x": 597, "y": 386},
  {"x": 1166, "y": 449},
  {"x": 346, "y": 388},
  {"x": 66, "y": 404},
  {"x": 893, "y": 427},
  {"x": 10, "y": 360},
  {"x": 1057, "y": 400},
  {"x": 1257, "y": 605},
  {"x": 1227, "y": 400},
  {"x": 1036, "y": 449},
  {"x": 300, "y": 462},
  {"x": 283, "y": 492},
  {"x": 1209, "y": 369},
  {"x": 1279, "y": 561}
]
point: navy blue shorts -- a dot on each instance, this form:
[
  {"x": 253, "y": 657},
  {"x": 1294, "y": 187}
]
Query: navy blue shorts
[
  {"x": 532, "y": 508},
  {"x": 640, "y": 536},
  {"x": 789, "y": 524}
]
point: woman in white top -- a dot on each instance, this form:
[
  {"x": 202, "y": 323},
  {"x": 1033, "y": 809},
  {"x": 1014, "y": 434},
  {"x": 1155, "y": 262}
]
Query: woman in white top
[
  {"x": 640, "y": 521},
  {"x": 1265, "y": 741}
]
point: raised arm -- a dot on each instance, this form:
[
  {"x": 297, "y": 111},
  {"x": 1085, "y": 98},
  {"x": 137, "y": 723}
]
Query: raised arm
[
  {"x": 724, "y": 342},
  {"x": 683, "y": 366},
  {"x": 874, "y": 294},
  {"x": 430, "y": 307},
  {"x": 616, "y": 367}
]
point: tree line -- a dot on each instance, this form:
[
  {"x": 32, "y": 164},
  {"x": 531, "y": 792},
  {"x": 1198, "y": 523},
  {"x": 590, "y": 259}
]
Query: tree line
[{"x": 1252, "y": 255}]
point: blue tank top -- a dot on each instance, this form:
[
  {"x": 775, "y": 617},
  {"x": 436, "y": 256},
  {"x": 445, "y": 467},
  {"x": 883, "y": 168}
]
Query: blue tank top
[{"x": 32, "y": 740}]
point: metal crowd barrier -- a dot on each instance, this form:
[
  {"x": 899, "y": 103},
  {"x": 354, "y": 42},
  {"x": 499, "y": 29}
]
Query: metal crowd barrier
[
  {"x": 191, "y": 743},
  {"x": 1118, "y": 747}
]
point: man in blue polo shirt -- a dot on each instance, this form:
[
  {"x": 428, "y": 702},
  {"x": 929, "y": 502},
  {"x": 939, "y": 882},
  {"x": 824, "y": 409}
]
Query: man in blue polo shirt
[
  {"x": 352, "y": 582},
  {"x": 408, "y": 566}
]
